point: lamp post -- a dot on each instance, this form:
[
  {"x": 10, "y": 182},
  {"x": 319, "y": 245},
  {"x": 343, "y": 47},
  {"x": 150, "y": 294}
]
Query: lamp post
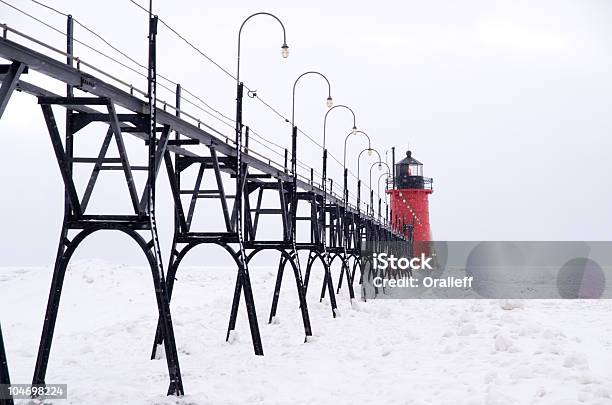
[
  {"x": 354, "y": 129},
  {"x": 379, "y": 163},
  {"x": 330, "y": 103},
  {"x": 386, "y": 175},
  {"x": 369, "y": 150},
  {"x": 284, "y": 47},
  {"x": 239, "y": 94},
  {"x": 239, "y": 84},
  {"x": 344, "y": 170},
  {"x": 344, "y": 173}
]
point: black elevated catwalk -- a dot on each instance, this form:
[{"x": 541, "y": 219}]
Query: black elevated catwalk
[{"x": 238, "y": 180}]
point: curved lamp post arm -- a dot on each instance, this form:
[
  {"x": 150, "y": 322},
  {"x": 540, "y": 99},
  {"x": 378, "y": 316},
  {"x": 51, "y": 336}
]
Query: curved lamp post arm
[
  {"x": 379, "y": 163},
  {"x": 387, "y": 174},
  {"x": 369, "y": 150},
  {"x": 284, "y": 47},
  {"x": 353, "y": 132},
  {"x": 359, "y": 158},
  {"x": 329, "y": 97},
  {"x": 346, "y": 140},
  {"x": 325, "y": 120}
]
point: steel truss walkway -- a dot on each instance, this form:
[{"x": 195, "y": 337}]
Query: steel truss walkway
[{"x": 338, "y": 230}]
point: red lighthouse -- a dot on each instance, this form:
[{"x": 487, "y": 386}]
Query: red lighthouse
[{"x": 410, "y": 199}]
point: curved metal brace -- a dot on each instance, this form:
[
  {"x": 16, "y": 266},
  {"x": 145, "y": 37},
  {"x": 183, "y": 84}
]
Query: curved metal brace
[
  {"x": 313, "y": 255},
  {"x": 352, "y": 274},
  {"x": 172, "y": 270},
  {"x": 357, "y": 263},
  {"x": 176, "y": 384},
  {"x": 344, "y": 267},
  {"x": 284, "y": 258}
]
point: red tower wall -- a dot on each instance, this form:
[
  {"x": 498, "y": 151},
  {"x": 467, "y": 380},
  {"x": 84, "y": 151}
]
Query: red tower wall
[{"x": 415, "y": 210}]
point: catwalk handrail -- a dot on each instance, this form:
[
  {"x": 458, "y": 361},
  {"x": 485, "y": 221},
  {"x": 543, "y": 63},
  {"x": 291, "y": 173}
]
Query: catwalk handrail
[
  {"x": 81, "y": 62},
  {"x": 60, "y": 71}
]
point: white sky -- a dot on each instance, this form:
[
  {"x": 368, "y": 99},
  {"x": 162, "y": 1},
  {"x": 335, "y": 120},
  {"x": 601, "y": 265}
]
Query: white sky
[{"x": 506, "y": 103}]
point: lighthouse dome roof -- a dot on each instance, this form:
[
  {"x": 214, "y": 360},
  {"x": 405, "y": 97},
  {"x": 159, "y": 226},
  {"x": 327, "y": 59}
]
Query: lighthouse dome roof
[{"x": 409, "y": 160}]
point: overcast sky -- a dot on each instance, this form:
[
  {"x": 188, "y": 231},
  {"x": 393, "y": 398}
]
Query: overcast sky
[{"x": 507, "y": 104}]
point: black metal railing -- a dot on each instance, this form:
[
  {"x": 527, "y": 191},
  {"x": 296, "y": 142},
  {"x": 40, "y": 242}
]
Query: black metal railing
[{"x": 414, "y": 182}]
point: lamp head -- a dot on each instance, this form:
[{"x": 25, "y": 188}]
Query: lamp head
[
  {"x": 354, "y": 131},
  {"x": 370, "y": 152},
  {"x": 330, "y": 102},
  {"x": 285, "y": 51}
]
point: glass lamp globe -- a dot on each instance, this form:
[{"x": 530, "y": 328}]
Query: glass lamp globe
[
  {"x": 285, "y": 51},
  {"x": 330, "y": 102}
]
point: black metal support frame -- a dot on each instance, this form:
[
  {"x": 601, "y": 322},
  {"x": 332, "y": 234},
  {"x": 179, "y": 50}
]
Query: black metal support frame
[
  {"x": 11, "y": 74},
  {"x": 4, "y": 374},
  {"x": 76, "y": 219},
  {"x": 239, "y": 238},
  {"x": 186, "y": 239},
  {"x": 80, "y": 112},
  {"x": 337, "y": 230}
]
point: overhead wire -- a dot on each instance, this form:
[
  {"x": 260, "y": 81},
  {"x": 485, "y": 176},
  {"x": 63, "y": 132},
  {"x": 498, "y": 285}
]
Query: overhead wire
[
  {"x": 125, "y": 55},
  {"x": 224, "y": 118},
  {"x": 195, "y": 48},
  {"x": 64, "y": 34},
  {"x": 228, "y": 73}
]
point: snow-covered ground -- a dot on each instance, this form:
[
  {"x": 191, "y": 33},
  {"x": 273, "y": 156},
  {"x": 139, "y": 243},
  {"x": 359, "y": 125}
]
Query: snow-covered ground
[{"x": 379, "y": 352}]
